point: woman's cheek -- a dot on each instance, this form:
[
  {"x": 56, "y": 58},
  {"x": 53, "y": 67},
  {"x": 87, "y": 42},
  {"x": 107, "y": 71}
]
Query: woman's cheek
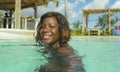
[{"x": 40, "y": 33}]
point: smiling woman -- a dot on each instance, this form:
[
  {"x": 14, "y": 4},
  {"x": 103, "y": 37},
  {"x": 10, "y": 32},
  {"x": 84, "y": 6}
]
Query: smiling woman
[
  {"x": 49, "y": 30},
  {"x": 53, "y": 33}
]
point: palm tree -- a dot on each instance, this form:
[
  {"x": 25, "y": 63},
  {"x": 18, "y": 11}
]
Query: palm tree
[
  {"x": 76, "y": 26},
  {"x": 103, "y": 21},
  {"x": 56, "y": 2},
  {"x": 114, "y": 21}
]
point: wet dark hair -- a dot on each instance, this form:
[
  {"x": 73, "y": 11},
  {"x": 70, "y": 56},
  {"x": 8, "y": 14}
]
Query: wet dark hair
[{"x": 64, "y": 30}]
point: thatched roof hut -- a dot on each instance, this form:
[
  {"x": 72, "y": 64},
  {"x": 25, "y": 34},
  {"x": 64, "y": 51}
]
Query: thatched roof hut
[
  {"x": 94, "y": 11},
  {"x": 10, "y": 4},
  {"x": 16, "y": 6}
]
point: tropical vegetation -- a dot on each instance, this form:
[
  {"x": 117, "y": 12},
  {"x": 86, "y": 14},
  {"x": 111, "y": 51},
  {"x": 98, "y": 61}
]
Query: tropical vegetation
[
  {"x": 1, "y": 14},
  {"x": 102, "y": 22},
  {"x": 76, "y": 28}
]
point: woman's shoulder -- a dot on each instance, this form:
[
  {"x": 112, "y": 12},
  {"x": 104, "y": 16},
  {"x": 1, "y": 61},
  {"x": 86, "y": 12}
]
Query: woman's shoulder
[{"x": 66, "y": 50}]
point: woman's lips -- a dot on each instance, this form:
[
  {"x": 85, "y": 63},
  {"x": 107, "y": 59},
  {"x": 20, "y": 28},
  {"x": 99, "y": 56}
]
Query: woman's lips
[{"x": 46, "y": 37}]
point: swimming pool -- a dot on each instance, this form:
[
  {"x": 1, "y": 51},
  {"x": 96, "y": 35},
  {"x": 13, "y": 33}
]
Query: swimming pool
[{"x": 100, "y": 54}]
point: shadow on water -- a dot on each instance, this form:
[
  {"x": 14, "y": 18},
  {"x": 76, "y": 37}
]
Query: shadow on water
[{"x": 56, "y": 62}]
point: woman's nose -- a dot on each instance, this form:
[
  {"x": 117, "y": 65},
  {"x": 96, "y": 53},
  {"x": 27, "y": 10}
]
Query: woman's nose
[{"x": 46, "y": 29}]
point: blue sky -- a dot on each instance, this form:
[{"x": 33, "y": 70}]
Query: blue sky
[{"x": 75, "y": 9}]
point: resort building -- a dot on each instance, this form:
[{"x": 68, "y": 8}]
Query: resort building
[{"x": 14, "y": 7}]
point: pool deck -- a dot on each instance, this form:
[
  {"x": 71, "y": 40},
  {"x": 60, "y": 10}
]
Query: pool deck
[
  {"x": 16, "y": 34},
  {"x": 29, "y": 34},
  {"x": 96, "y": 36}
]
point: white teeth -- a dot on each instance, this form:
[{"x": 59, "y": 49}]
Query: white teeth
[
  {"x": 49, "y": 33},
  {"x": 46, "y": 37}
]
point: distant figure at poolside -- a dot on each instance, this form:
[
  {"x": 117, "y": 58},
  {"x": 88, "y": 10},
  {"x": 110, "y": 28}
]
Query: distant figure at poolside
[
  {"x": 5, "y": 20},
  {"x": 53, "y": 33}
]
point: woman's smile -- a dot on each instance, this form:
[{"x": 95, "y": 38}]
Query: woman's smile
[
  {"x": 49, "y": 30},
  {"x": 47, "y": 36}
]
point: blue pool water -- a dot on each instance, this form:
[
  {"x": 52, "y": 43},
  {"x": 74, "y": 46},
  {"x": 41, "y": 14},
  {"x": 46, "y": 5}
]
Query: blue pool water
[{"x": 100, "y": 54}]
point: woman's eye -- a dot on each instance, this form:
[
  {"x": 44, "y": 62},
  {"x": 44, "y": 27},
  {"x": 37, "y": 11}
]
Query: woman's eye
[
  {"x": 52, "y": 26},
  {"x": 41, "y": 26}
]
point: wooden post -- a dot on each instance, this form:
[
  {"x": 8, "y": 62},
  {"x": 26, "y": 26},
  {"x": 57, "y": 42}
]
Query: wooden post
[
  {"x": 25, "y": 18},
  {"x": 86, "y": 20},
  {"x": 83, "y": 23},
  {"x": 12, "y": 26},
  {"x": 35, "y": 11},
  {"x": 66, "y": 11},
  {"x": 109, "y": 22},
  {"x": 10, "y": 20},
  {"x": 17, "y": 14},
  {"x": 7, "y": 24}
]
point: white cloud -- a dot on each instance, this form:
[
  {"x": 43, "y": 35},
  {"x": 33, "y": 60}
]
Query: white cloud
[
  {"x": 116, "y": 4},
  {"x": 41, "y": 10},
  {"x": 44, "y": 9},
  {"x": 80, "y": 11},
  {"x": 97, "y": 4},
  {"x": 73, "y": 14},
  {"x": 78, "y": 1},
  {"x": 60, "y": 8},
  {"x": 70, "y": 9},
  {"x": 27, "y": 12},
  {"x": 70, "y": 6},
  {"x": 51, "y": 7}
]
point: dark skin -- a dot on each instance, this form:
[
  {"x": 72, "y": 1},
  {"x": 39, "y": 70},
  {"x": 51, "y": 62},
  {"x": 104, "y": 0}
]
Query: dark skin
[
  {"x": 63, "y": 52},
  {"x": 50, "y": 32},
  {"x": 50, "y": 35},
  {"x": 61, "y": 57}
]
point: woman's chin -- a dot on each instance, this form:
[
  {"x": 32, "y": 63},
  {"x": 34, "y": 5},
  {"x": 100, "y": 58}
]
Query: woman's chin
[{"x": 46, "y": 42}]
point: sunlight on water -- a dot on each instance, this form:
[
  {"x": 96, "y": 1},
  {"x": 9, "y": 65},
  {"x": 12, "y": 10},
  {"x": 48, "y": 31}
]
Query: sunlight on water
[{"x": 100, "y": 54}]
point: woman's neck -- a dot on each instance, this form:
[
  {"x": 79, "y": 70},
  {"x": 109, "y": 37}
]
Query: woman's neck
[{"x": 54, "y": 45}]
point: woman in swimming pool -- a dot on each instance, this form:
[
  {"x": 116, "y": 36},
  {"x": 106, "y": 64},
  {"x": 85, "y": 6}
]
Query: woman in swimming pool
[{"x": 53, "y": 32}]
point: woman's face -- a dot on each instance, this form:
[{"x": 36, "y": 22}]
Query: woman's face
[{"x": 49, "y": 31}]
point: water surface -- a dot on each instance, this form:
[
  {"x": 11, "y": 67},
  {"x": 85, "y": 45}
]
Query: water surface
[{"x": 100, "y": 54}]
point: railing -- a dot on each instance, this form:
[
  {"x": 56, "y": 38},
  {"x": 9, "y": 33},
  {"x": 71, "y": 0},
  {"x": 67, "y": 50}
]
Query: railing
[
  {"x": 9, "y": 22},
  {"x": 93, "y": 31}
]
